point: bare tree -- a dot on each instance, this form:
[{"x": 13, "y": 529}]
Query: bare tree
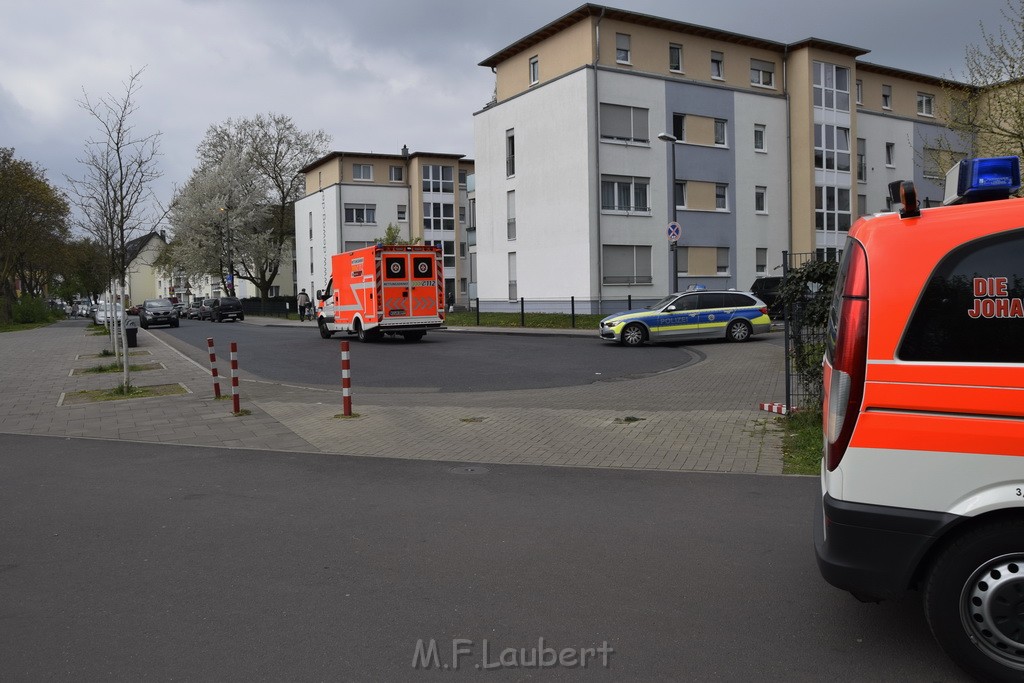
[
  {"x": 986, "y": 104},
  {"x": 114, "y": 197}
]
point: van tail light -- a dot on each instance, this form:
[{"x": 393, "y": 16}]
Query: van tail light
[{"x": 849, "y": 356}]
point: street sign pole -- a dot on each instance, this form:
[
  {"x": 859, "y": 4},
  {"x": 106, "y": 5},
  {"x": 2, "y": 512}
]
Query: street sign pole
[{"x": 675, "y": 231}]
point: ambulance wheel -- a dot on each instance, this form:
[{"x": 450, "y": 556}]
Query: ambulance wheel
[
  {"x": 412, "y": 336},
  {"x": 974, "y": 601},
  {"x": 738, "y": 331},
  {"x": 634, "y": 334},
  {"x": 366, "y": 336},
  {"x": 324, "y": 332}
]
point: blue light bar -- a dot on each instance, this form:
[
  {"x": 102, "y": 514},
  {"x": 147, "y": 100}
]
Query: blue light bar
[{"x": 976, "y": 180}]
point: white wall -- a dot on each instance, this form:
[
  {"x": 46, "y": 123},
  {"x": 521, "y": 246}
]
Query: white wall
[
  {"x": 554, "y": 193},
  {"x": 769, "y": 169}
]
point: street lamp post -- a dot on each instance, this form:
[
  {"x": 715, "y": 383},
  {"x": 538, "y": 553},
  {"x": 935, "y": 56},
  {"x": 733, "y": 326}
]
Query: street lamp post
[{"x": 673, "y": 260}]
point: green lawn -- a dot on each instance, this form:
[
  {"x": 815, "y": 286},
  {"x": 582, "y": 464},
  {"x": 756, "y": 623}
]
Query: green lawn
[
  {"x": 801, "y": 443},
  {"x": 559, "y": 321}
]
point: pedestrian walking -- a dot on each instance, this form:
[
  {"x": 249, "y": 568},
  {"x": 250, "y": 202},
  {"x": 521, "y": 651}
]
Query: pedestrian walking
[{"x": 302, "y": 301}]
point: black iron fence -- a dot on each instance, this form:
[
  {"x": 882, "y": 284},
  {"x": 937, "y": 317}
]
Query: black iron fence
[
  {"x": 571, "y": 306},
  {"x": 277, "y": 307},
  {"x": 805, "y": 336}
]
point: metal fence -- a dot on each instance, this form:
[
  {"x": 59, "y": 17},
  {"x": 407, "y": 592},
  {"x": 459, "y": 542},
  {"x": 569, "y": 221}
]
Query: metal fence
[
  {"x": 276, "y": 308},
  {"x": 571, "y": 306},
  {"x": 805, "y": 342}
]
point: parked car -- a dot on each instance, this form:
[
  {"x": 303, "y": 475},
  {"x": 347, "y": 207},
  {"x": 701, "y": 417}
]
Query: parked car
[
  {"x": 206, "y": 309},
  {"x": 157, "y": 312},
  {"x": 226, "y": 308},
  {"x": 192, "y": 312},
  {"x": 702, "y": 314},
  {"x": 767, "y": 290}
]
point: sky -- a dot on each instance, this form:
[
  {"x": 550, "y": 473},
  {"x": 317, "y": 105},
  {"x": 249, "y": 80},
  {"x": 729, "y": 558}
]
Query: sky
[{"x": 374, "y": 74}]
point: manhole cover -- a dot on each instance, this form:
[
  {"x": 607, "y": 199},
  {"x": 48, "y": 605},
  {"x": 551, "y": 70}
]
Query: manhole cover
[{"x": 468, "y": 469}]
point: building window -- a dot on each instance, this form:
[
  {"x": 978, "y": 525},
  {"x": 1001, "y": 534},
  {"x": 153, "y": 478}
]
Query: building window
[
  {"x": 624, "y": 123},
  {"x": 401, "y": 212},
  {"x": 438, "y": 216},
  {"x": 722, "y": 260},
  {"x": 831, "y": 87},
  {"x": 925, "y": 104},
  {"x": 760, "y": 261},
  {"x": 513, "y": 292},
  {"x": 679, "y": 126},
  {"x": 720, "y": 139},
  {"x": 510, "y": 152},
  {"x": 831, "y": 208},
  {"x": 625, "y": 194},
  {"x": 310, "y": 225},
  {"x": 862, "y": 160},
  {"x": 675, "y": 58},
  {"x": 762, "y": 73},
  {"x": 361, "y": 213},
  {"x": 626, "y": 264},
  {"x": 886, "y": 97},
  {"x": 760, "y": 199},
  {"x": 860, "y": 91},
  {"x": 362, "y": 172},
  {"x": 275, "y": 290},
  {"x": 622, "y": 53},
  {"x": 534, "y": 71},
  {"x": 396, "y": 174},
  {"x": 890, "y": 154},
  {"x": 463, "y": 174},
  {"x": 721, "y": 197},
  {"x": 462, "y": 214},
  {"x": 759, "y": 143},
  {"x": 510, "y": 204},
  {"x": 862, "y": 204},
  {"x": 680, "y": 194},
  {"x": 718, "y": 66},
  {"x": 438, "y": 178},
  {"x": 831, "y": 147}
]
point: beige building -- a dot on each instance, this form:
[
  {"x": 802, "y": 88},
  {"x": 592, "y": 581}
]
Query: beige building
[
  {"x": 608, "y": 126},
  {"x": 352, "y": 197}
]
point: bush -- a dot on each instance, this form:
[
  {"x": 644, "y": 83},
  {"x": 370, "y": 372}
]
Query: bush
[{"x": 30, "y": 309}]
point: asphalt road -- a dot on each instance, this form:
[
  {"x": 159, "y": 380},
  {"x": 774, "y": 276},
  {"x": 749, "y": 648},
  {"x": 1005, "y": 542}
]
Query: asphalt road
[
  {"x": 122, "y": 561},
  {"x": 444, "y": 361}
]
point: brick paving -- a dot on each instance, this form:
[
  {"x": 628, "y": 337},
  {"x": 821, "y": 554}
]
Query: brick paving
[{"x": 703, "y": 416}]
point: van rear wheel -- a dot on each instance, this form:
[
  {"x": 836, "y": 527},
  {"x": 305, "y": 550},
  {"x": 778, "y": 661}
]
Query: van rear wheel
[{"x": 974, "y": 601}]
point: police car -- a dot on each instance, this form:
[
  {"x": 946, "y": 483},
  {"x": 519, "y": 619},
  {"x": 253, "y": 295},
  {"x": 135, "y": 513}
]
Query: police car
[
  {"x": 922, "y": 479},
  {"x": 703, "y": 314}
]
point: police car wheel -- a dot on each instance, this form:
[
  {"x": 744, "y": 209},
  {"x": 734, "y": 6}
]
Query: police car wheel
[
  {"x": 738, "y": 331},
  {"x": 974, "y": 601},
  {"x": 633, "y": 334}
]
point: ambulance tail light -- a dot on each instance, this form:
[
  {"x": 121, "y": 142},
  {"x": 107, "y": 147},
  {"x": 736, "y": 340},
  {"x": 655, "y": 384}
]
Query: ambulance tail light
[{"x": 848, "y": 353}]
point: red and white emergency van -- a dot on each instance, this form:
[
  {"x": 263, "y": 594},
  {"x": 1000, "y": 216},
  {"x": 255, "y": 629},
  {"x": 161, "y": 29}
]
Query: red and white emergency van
[
  {"x": 922, "y": 479},
  {"x": 383, "y": 289}
]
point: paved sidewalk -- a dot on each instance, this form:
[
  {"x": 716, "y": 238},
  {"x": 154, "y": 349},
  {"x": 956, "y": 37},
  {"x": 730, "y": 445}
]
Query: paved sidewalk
[{"x": 700, "y": 417}]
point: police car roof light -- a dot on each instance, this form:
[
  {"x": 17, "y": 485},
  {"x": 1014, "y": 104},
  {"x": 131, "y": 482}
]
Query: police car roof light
[{"x": 982, "y": 179}]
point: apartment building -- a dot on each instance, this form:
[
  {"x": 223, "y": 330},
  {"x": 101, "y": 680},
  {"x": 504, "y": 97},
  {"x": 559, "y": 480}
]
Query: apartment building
[
  {"x": 352, "y": 197},
  {"x": 607, "y": 126}
]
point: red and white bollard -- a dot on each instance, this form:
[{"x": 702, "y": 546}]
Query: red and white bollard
[
  {"x": 234, "y": 378},
  {"x": 346, "y": 381},
  {"x": 213, "y": 367}
]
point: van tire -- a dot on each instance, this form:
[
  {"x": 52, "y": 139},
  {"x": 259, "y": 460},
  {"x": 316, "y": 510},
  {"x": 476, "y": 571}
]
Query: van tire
[
  {"x": 366, "y": 336},
  {"x": 324, "y": 332},
  {"x": 972, "y": 599},
  {"x": 738, "y": 331}
]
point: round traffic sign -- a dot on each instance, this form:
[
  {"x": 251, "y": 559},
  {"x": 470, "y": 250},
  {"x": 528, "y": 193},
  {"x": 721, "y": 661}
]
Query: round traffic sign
[{"x": 674, "y": 231}]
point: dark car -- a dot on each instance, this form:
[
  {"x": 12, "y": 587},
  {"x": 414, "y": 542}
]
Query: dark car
[
  {"x": 767, "y": 290},
  {"x": 206, "y": 309},
  {"x": 192, "y": 312},
  {"x": 157, "y": 312},
  {"x": 226, "y": 308}
]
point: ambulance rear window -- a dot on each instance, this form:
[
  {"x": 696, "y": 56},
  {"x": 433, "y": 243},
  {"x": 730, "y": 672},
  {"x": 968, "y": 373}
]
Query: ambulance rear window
[{"x": 972, "y": 309}]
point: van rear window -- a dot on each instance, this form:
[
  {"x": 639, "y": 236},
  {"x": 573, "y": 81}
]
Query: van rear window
[{"x": 972, "y": 309}]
